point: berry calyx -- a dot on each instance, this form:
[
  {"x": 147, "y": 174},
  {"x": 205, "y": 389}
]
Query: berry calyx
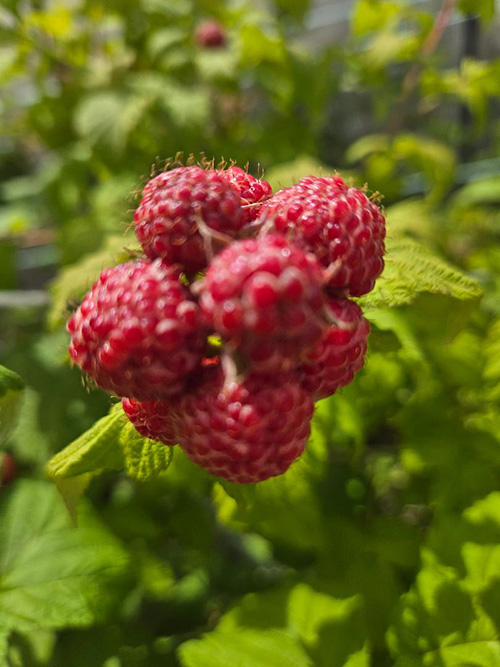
[
  {"x": 152, "y": 419},
  {"x": 340, "y": 352},
  {"x": 137, "y": 332},
  {"x": 338, "y": 223},
  {"x": 184, "y": 213},
  {"x": 244, "y": 430},
  {"x": 264, "y": 297}
]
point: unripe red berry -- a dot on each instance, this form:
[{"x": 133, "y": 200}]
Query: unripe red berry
[
  {"x": 8, "y": 468},
  {"x": 210, "y": 34}
]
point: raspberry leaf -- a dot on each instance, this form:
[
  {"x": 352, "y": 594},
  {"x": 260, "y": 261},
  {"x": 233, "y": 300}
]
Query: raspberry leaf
[
  {"x": 244, "y": 647},
  {"x": 73, "y": 282},
  {"x": 52, "y": 576},
  {"x": 331, "y": 628},
  {"x": 93, "y": 452},
  {"x": 11, "y": 389},
  {"x": 410, "y": 269},
  {"x": 144, "y": 458},
  {"x": 112, "y": 443}
]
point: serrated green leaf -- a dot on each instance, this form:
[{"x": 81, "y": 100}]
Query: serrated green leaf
[
  {"x": 472, "y": 654},
  {"x": 144, "y": 458},
  {"x": 309, "y": 610},
  {"x": 242, "y": 647},
  {"x": 482, "y": 563},
  {"x": 330, "y": 627},
  {"x": 187, "y": 105},
  {"x": 371, "y": 15},
  {"x": 4, "y": 640},
  {"x": 96, "y": 450},
  {"x": 485, "y": 191},
  {"x": 96, "y": 116},
  {"x": 435, "y": 158},
  {"x": 257, "y": 46},
  {"x": 9, "y": 382},
  {"x": 51, "y": 575},
  {"x": 163, "y": 39},
  {"x": 74, "y": 281},
  {"x": 485, "y": 512},
  {"x": 410, "y": 269},
  {"x": 371, "y": 143},
  {"x": 442, "y": 619},
  {"x": 411, "y": 217},
  {"x": 11, "y": 391},
  {"x": 485, "y": 8}
]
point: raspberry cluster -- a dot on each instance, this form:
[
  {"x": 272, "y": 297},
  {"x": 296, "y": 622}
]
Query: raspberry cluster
[{"x": 228, "y": 364}]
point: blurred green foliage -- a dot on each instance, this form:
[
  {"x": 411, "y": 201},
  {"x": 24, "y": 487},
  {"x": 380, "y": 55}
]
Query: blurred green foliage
[{"x": 381, "y": 545}]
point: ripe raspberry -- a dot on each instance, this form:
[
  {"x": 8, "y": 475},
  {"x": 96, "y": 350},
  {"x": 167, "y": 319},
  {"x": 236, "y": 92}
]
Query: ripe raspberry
[
  {"x": 8, "y": 468},
  {"x": 264, "y": 297},
  {"x": 244, "y": 431},
  {"x": 343, "y": 228},
  {"x": 137, "y": 332},
  {"x": 210, "y": 34},
  {"x": 339, "y": 354},
  {"x": 153, "y": 419},
  {"x": 251, "y": 190},
  {"x": 181, "y": 213}
]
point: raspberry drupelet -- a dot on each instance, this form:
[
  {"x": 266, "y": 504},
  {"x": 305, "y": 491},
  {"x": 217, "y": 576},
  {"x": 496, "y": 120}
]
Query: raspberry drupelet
[
  {"x": 152, "y": 419},
  {"x": 137, "y": 332},
  {"x": 338, "y": 223},
  {"x": 340, "y": 352},
  {"x": 183, "y": 214},
  {"x": 264, "y": 297},
  {"x": 253, "y": 192},
  {"x": 244, "y": 430}
]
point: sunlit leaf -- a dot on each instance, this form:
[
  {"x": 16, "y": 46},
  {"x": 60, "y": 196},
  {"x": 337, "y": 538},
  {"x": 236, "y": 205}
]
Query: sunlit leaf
[
  {"x": 244, "y": 647},
  {"x": 73, "y": 282},
  {"x": 411, "y": 268},
  {"x": 52, "y": 576},
  {"x": 11, "y": 391},
  {"x": 144, "y": 458}
]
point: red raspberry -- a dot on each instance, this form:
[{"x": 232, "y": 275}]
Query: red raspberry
[
  {"x": 265, "y": 297},
  {"x": 8, "y": 468},
  {"x": 137, "y": 332},
  {"x": 181, "y": 213},
  {"x": 343, "y": 228},
  {"x": 339, "y": 354},
  {"x": 210, "y": 34},
  {"x": 153, "y": 419},
  {"x": 244, "y": 431},
  {"x": 252, "y": 191}
]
